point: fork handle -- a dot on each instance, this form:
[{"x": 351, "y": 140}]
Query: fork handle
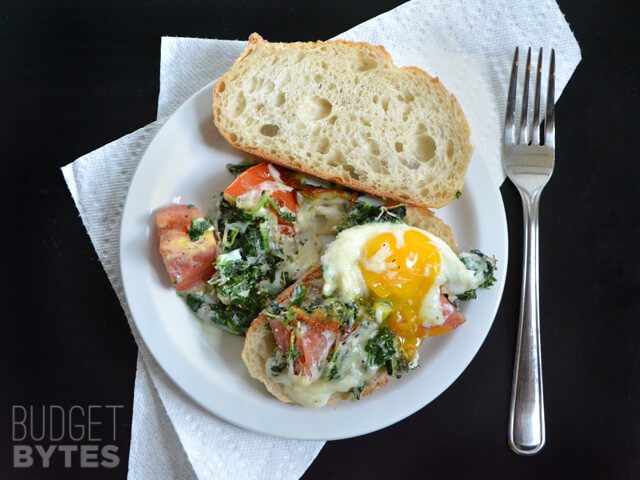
[{"x": 526, "y": 415}]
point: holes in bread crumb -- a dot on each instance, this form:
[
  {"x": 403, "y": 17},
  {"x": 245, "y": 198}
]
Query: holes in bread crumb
[
  {"x": 324, "y": 65},
  {"x": 420, "y": 129},
  {"x": 318, "y": 78},
  {"x": 323, "y": 146},
  {"x": 218, "y": 112},
  {"x": 280, "y": 99},
  {"x": 410, "y": 163},
  {"x": 364, "y": 64},
  {"x": 336, "y": 159},
  {"x": 449, "y": 149},
  {"x": 425, "y": 148},
  {"x": 269, "y": 130},
  {"x": 221, "y": 87},
  {"x": 377, "y": 165},
  {"x": 364, "y": 122},
  {"x": 251, "y": 84},
  {"x": 375, "y": 99},
  {"x": 399, "y": 147},
  {"x": 233, "y": 137},
  {"x": 350, "y": 171},
  {"x": 408, "y": 97},
  {"x": 239, "y": 105},
  {"x": 314, "y": 108},
  {"x": 333, "y": 119},
  {"x": 405, "y": 114},
  {"x": 331, "y": 86},
  {"x": 299, "y": 57},
  {"x": 385, "y": 104},
  {"x": 269, "y": 87},
  {"x": 374, "y": 149}
]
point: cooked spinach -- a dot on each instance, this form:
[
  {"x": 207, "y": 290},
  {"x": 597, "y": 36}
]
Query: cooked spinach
[
  {"x": 357, "y": 391},
  {"x": 363, "y": 212},
  {"x": 194, "y": 302},
  {"x": 466, "y": 296},
  {"x": 246, "y": 276},
  {"x": 198, "y": 227},
  {"x": 299, "y": 292},
  {"x": 333, "y": 308},
  {"x": 333, "y": 367},
  {"x": 483, "y": 268},
  {"x": 238, "y": 168},
  {"x": 293, "y": 352},
  {"x": 230, "y": 318},
  {"x": 278, "y": 364},
  {"x": 384, "y": 350},
  {"x": 266, "y": 200}
]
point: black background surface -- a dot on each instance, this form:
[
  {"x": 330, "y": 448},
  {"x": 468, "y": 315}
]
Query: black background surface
[{"x": 76, "y": 75}]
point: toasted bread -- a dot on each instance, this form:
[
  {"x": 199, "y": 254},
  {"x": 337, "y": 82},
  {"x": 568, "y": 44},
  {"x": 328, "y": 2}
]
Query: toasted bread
[
  {"x": 260, "y": 344},
  {"x": 342, "y": 111}
]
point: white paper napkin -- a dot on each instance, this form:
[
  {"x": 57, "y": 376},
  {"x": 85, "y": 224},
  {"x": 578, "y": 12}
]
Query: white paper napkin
[{"x": 467, "y": 44}]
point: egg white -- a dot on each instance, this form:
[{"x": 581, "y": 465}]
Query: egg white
[{"x": 342, "y": 275}]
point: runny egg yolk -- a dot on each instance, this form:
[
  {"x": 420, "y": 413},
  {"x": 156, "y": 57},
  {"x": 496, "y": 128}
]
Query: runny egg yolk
[{"x": 400, "y": 269}]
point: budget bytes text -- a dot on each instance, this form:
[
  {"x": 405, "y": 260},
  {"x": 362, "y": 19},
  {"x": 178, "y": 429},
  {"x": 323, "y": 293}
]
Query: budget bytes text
[{"x": 76, "y": 436}]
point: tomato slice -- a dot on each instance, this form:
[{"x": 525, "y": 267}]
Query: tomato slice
[
  {"x": 452, "y": 319},
  {"x": 263, "y": 176},
  {"x": 188, "y": 263},
  {"x": 313, "y": 345}
]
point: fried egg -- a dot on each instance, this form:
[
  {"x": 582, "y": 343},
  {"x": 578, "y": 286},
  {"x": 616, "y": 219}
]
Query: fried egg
[{"x": 403, "y": 270}]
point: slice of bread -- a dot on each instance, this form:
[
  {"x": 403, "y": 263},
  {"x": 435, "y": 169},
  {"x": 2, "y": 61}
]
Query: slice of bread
[
  {"x": 342, "y": 111},
  {"x": 260, "y": 344}
]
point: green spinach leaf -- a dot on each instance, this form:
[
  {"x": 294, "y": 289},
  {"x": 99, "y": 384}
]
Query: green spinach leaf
[
  {"x": 363, "y": 212},
  {"x": 198, "y": 227}
]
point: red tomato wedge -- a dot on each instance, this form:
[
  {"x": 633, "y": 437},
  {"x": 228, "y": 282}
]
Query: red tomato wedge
[
  {"x": 313, "y": 345},
  {"x": 263, "y": 176},
  {"x": 188, "y": 263},
  {"x": 452, "y": 318}
]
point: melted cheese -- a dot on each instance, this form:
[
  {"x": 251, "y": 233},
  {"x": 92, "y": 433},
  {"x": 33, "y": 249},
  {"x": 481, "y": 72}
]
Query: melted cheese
[
  {"x": 316, "y": 219},
  {"x": 353, "y": 371}
]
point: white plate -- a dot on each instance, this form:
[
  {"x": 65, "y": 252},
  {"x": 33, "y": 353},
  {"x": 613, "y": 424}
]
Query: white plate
[{"x": 186, "y": 163}]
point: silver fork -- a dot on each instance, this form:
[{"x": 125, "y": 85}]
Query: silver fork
[{"x": 529, "y": 156}]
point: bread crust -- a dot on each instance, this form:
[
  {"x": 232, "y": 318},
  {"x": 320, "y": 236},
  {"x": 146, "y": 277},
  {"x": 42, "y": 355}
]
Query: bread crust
[
  {"x": 255, "y": 41},
  {"x": 259, "y": 344}
]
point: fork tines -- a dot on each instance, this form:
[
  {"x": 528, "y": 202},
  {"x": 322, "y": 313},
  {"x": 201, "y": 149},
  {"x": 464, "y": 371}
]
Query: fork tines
[{"x": 535, "y": 131}]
